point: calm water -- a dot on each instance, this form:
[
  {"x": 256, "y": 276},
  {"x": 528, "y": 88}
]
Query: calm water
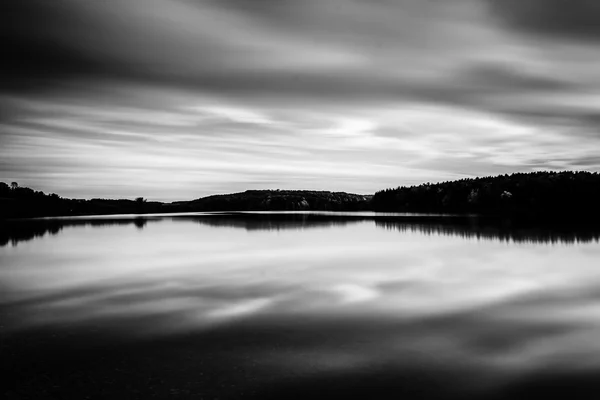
[{"x": 304, "y": 305}]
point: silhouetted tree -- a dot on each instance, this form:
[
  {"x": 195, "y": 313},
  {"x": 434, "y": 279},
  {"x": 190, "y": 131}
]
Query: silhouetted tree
[
  {"x": 558, "y": 193},
  {"x": 4, "y": 189}
]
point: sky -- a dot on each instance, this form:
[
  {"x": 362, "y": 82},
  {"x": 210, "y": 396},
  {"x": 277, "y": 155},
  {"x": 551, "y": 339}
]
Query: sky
[{"x": 179, "y": 99}]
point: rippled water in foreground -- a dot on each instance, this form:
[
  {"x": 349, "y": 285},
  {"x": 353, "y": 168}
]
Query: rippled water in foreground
[{"x": 256, "y": 306}]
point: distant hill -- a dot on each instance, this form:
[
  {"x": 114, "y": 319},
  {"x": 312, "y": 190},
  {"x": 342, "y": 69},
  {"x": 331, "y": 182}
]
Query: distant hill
[
  {"x": 283, "y": 200},
  {"x": 535, "y": 194},
  {"x": 23, "y": 202}
]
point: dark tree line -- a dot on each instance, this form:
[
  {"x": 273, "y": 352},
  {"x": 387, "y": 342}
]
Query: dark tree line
[
  {"x": 563, "y": 194},
  {"x": 538, "y": 193},
  {"x": 17, "y": 202}
]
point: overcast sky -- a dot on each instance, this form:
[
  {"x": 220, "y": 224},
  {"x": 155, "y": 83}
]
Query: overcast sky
[{"x": 178, "y": 99}]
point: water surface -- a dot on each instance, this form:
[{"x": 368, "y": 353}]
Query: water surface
[{"x": 250, "y": 305}]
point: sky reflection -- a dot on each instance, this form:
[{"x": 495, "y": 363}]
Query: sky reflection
[{"x": 339, "y": 298}]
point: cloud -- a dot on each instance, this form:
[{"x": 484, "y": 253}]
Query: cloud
[
  {"x": 332, "y": 46},
  {"x": 40, "y": 41},
  {"x": 222, "y": 96},
  {"x": 571, "y": 19}
]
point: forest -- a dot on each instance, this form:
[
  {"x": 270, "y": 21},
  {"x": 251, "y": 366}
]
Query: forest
[
  {"x": 568, "y": 194},
  {"x": 23, "y": 202},
  {"x": 560, "y": 194}
]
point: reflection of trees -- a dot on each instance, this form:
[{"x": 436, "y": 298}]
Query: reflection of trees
[
  {"x": 269, "y": 222},
  {"x": 140, "y": 223},
  {"x": 20, "y": 232},
  {"x": 530, "y": 231},
  {"x": 14, "y": 232},
  {"x": 502, "y": 230}
]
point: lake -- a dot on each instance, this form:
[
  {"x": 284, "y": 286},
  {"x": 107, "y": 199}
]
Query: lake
[{"x": 303, "y": 305}]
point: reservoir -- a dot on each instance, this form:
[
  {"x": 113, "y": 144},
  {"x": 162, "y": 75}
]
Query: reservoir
[{"x": 303, "y": 305}]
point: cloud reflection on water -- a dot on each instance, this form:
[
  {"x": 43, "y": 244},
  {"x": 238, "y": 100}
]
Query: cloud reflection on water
[{"x": 345, "y": 299}]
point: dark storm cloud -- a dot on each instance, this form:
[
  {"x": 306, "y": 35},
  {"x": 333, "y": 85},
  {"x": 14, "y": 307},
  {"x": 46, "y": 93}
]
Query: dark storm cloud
[
  {"x": 312, "y": 47},
  {"x": 574, "y": 19},
  {"x": 47, "y": 44},
  {"x": 37, "y": 38},
  {"x": 50, "y": 43}
]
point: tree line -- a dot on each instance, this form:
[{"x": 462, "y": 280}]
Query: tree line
[
  {"x": 566, "y": 193},
  {"x": 569, "y": 193},
  {"x": 17, "y": 201}
]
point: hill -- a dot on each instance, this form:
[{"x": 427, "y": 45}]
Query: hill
[
  {"x": 23, "y": 202},
  {"x": 283, "y": 200}
]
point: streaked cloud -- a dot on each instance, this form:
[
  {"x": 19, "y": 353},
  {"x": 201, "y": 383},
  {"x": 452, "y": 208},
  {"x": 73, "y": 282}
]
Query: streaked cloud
[
  {"x": 176, "y": 99},
  {"x": 571, "y": 19}
]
